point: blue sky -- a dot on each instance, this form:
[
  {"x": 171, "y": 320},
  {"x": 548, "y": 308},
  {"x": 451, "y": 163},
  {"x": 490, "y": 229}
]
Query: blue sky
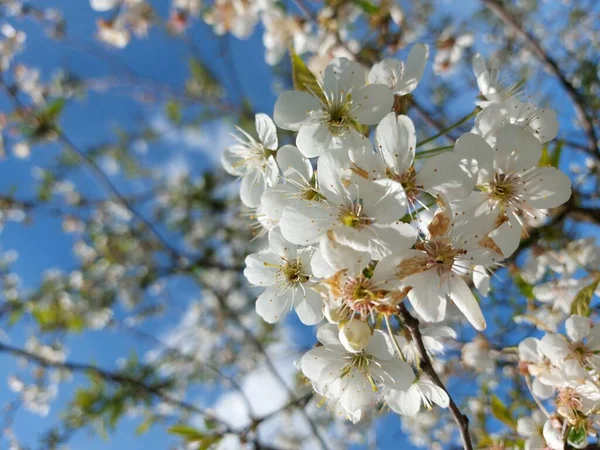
[{"x": 42, "y": 245}]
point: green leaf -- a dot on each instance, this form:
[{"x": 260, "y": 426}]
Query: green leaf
[
  {"x": 173, "y": 112},
  {"x": 550, "y": 158},
  {"x": 15, "y": 315},
  {"x": 577, "y": 434},
  {"x": 304, "y": 79},
  {"x": 581, "y": 304},
  {"x": 190, "y": 434},
  {"x": 524, "y": 288},
  {"x": 555, "y": 160},
  {"x": 143, "y": 427},
  {"x": 367, "y": 7},
  {"x": 54, "y": 109},
  {"x": 502, "y": 413},
  {"x": 545, "y": 158},
  {"x": 202, "y": 82}
]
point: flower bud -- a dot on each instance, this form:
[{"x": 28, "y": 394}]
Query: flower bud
[{"x": 354, "y": 335}]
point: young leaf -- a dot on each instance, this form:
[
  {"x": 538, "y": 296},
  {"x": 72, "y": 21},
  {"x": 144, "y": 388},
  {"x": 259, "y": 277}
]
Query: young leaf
[
  {"x": 502, "y": 413},
  {"x": 581, "y": 303},
  {"x": 367, "y": 7},
  {"x": 304, "y": 79},
  {"x": 190, "y": 434}
]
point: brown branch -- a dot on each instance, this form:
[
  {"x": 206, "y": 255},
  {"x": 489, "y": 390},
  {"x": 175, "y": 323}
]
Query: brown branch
[
  {"x": 120, "y": 198},
  {"x": 113, "y": 377},
  {"x": 550, "y": 64},
  {"x": 412, "y": 324},
  {"x": 270, "y": 366},
  {"x": 155, "y": 390}
]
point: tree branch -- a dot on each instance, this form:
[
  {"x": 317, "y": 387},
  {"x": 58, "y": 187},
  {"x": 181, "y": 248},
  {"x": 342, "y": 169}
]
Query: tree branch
[
  {"x": 550, "y": 64},
  {"x": 412, "y": 324},
  {"x": 113, "y": 377}
]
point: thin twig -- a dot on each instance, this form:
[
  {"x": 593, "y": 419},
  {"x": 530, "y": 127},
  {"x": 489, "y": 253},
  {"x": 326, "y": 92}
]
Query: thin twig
[
  {"x": 269, "y": 364},
  {"x": 446, "y": 130},
  {"x": 412, "y": 324},
  {"x": 113, "y": 377},
  {"x": 430, "y": 119},
  {"x": 109, "y": 185}
]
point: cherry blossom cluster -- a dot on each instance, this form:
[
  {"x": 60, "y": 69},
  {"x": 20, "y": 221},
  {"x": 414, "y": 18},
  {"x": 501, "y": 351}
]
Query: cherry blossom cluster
[
  {"x": 355, "y": 226},
  {"x": 563, "y": 368},
  {"x": 557, "y": 276}
]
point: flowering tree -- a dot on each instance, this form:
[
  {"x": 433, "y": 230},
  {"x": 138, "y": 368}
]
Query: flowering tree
[{"x": 395, "y": 249}]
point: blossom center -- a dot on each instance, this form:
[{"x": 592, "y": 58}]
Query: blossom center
[
  {"x": 311, "y": 194},
  {"x": 360, "y": 295},
  {"x": 336, "y": 112},
  {"x": 503, "y": 188},
  {"x": 292, "y": 272},
  {"x": 580, "y": 352},
  {"x": 352, "y": 216},
  {"x": 408, "y": 180},
  {"x": 440, "y": 255}
]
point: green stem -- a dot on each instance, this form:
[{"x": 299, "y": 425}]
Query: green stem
[
  {"x": 433, "y": 152},
  {"x": 393, "y": 338},
  {"x": 450, "y": 128},
  {"x": 408, "y": 216}
]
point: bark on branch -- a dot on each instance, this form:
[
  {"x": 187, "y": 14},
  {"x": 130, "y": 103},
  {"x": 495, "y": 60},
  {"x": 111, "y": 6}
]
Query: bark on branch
[{"x": 412, "y": 324}]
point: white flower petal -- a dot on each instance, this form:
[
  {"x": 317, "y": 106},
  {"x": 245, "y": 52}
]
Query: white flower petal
[
  {"x": 545, "y": 125},
  {"x": 315, "y": 360},
  {"x": 546, "y": 188},
  {"x": 407, "y": 403},
  {"x": 272, "y": 305},
  {"x": 292, "y": 108},
  {"x": 528, "y": 350},
  {"x": 267, "y": 133},
  {"x": 280, "y": 246},
  {"x": 466, "y": 302},
  {"x": 103, "y": 5},
  {"x": 444, "y": 174},
  {"x": 477, "y": 157},
  {"x": 553, "y": 437},
  {"x": 394, "y": 374},
  {"x": 304, "y": 222},
  {"x": 314, "y": 139},
  {"x": 516, "y": 149},
  {"x": 309, "y": 306},
  {"x": 396, "y": 140},
  {"x": 372, "y": 103},
  {"x": 426, "y": 297},
  {"x": 481, "y": 279},
  {"x": 387, "y": 72},
  {"x": 578, "y": 328},
  {"x": 384, "y": 201},
  {"x": 433, "y": 392},
  {"x": 252, "y": 188},
  {"x": 327, "y": 335},
  {"x": 507, "y": 236},
  {"x": 293, "y": 165},
  {"x": 275, "y": 199},
  {"x": 342, "y": 75},
  {"x": 413, "y": 69},
  {"x": 358, "y": 393},
  {"x": 341, "y": 257},
  {"x": 320, "y": 267},
  {"x": 262, "y": 268},
  {"x": 555, "y": 347}
]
